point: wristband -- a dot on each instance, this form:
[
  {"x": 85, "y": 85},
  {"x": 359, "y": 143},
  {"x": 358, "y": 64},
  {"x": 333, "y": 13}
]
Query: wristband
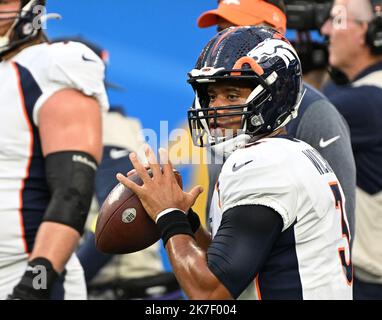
[
  {"x": 194, "y": 220},
  {"x": 173, "y": 223}
]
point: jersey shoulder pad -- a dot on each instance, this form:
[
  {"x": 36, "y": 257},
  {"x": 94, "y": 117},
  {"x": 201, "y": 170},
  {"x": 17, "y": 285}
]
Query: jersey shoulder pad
[
  {"x": 258, "y": 175},
  {"x": 71, "y": 65}
]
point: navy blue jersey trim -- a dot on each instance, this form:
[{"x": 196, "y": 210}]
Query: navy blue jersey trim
[
  {"x": 35, "y": 194},
  {"x": 242, "y": 244},
  {"x": 279, "y": 278},
  {"x": 286, "y": 137}
]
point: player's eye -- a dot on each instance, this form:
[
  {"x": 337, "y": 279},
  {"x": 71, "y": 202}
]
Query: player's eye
[{"x": 233, "y": 97}]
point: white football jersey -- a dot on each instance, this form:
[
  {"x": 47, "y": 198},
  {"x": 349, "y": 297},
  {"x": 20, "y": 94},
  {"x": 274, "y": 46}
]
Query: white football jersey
[
  {"x": 27, "y": 81},
  {"x": 311, "y": 258}
]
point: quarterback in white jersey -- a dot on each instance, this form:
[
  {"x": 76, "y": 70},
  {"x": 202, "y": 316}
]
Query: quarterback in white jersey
[
  {"x": 278, "y": 210},
  {"x": 310, "y": 258},
  {"x": 50, "y": 132}
]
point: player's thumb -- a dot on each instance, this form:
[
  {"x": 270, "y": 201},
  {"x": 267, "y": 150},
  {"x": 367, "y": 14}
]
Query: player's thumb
[{"x": 194, "y": 194}]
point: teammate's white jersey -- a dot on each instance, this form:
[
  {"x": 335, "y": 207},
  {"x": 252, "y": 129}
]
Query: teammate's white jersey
[
  {"x": 311, "y": 258},
  {"x": 28, "y": 80}
]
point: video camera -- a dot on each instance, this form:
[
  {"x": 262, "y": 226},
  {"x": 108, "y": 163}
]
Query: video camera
[{"x": 305, "y": 15}]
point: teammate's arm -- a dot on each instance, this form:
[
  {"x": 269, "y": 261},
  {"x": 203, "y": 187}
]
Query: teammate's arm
[
  {"x": 69, "y": 125},
  {"x": 69, "y": 121}
]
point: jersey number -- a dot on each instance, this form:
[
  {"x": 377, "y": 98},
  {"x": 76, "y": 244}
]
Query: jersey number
[{"x": 346, "y": 263}]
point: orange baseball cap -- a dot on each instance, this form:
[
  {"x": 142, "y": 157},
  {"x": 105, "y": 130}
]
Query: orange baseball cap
[{"x": 245, "y": 12}]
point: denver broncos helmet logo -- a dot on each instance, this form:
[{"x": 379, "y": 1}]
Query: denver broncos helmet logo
[{"x": 274, "y": 48}]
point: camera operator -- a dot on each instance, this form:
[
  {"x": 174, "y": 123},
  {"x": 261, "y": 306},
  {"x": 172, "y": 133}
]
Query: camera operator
[{"x": 355, "y": 47}]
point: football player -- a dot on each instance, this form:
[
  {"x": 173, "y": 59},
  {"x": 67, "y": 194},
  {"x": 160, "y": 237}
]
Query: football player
[
  {"x": 278, "y": 211},
  {"x": 50, "y": 132},
  {"x": 318, "y": 123}
]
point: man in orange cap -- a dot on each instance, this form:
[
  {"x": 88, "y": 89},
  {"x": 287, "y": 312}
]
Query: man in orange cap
[
  {"x": 318, "y": 123},
  {"x": 245, "y": 12}
]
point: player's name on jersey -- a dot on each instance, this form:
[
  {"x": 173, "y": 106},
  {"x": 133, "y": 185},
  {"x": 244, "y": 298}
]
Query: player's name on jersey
[{"x": 319, "y": 162}]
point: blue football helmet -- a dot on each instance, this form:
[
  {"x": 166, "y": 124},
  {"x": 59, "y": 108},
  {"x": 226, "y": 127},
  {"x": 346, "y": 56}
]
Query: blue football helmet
[{"x": 258, "y": 55}]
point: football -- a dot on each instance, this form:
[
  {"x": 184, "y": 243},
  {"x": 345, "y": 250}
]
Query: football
[{"x": 123, "y": 225}]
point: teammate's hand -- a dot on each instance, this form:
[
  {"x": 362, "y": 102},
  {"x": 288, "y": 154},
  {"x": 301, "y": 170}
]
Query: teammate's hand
[{"x": 162, "y": 191}]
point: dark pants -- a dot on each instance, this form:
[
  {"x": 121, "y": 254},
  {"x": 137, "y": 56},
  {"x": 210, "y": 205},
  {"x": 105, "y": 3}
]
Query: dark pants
[{"x": 366, "y": 290}]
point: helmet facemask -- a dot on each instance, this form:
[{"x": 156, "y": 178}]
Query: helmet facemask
[{"x": 203, "y": 119}]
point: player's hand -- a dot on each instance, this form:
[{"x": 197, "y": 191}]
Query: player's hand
[{"x": 161, "y": 191}]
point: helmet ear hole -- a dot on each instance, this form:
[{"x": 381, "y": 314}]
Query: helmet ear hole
[{"x": 257, "y": 120}]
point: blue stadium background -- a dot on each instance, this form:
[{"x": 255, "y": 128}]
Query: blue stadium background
[{"x": 152, "y": 46}]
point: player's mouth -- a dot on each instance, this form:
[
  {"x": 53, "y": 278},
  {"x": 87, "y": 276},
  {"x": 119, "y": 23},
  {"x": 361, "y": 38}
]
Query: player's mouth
[{"x": 224, "y": 129}]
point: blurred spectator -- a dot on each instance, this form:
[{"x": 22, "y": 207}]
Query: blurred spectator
[
  {"x": 318, "y": 123},
  {"x": 136, "y": 275},
  {"x": 355, "y": 48}
]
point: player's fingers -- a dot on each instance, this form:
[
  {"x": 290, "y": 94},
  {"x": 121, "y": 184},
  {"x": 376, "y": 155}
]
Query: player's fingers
[
  {"x": 166, "y": 164},
  {"x": 128, "y": 183},
  {"x": 133, "y": 171},
  {"x": 194, "y": 194},
  {"x": 153, "y": 162},
  {"x": 140, "y": 169}
]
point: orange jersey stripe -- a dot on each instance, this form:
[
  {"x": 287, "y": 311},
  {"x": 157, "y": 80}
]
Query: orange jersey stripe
[{"x": 258, "y": 287}]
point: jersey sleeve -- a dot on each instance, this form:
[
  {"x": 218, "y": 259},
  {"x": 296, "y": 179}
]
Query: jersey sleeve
[
  {"x": 258, "y": 177},
  {"x": 242, "y": 244},
  {"x": 73, "y": 65}
]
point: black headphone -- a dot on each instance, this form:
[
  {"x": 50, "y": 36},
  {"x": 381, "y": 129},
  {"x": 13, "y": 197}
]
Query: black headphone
[{"x": 374, "y": 31}]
